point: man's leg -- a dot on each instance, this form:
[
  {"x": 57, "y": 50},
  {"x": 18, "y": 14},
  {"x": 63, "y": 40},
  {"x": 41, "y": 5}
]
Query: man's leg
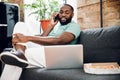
[
  {"x": 11, "y": 73},
  {"x": 7, "y": 58},
  {"x": 24, "y": 28},
  {"x": 21, "y": 27},
  {"x": 35, "y": 56},
  {"x": 34, "y": 59},
  {"x": 8, "y": 69}
]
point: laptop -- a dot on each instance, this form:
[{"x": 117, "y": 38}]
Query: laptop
[{"x": 63, "y": 56}]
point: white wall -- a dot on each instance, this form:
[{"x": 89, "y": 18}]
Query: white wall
[
  {"x": 74, "y": 4},
  {"x": 27, "y": 12}
]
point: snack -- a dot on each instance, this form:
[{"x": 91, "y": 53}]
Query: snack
[{"x": 102, "y": 68}]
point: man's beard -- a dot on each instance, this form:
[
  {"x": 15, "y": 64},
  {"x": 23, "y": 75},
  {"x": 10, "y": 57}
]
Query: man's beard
[{"x": 68, "y": 20}]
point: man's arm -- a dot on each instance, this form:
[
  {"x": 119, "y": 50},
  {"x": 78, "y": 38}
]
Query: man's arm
[
  {"x": 50, "y": 26},
  {"x": 48, "y": 30},
  {"x": 64, "y": 38}
]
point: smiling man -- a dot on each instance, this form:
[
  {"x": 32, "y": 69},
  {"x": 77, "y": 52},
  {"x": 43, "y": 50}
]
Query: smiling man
[{"x": 66, "y": 32}]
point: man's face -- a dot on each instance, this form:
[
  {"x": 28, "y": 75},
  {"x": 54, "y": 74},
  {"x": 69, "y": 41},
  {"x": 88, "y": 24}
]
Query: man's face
[{"x": 65, "y": 15}]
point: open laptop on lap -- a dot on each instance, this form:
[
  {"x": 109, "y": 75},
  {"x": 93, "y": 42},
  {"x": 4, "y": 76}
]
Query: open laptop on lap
[{"x": 63, "y": 56}]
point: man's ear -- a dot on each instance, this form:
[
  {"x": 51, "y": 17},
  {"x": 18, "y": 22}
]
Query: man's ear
[{"x": 72, "y": 14}]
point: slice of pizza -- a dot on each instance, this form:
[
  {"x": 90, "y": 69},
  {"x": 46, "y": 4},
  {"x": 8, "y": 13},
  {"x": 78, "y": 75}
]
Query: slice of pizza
[{"x": 102, "y": 68}]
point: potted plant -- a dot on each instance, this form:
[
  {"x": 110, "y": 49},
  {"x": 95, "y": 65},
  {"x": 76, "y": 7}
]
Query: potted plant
[{"x": 43, "y": 10}]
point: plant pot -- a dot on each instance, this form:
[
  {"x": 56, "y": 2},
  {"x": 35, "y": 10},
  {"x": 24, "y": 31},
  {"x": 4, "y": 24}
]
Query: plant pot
[{"x": 44, "y": 24}]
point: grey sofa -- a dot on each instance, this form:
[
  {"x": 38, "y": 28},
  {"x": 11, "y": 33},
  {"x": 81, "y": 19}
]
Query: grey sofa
[{"x": 100, "y": 45}]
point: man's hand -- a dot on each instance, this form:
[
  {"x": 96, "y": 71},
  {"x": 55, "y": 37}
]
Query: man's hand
[
  {"x": 19, "y": 38},
  {"x": 53, "y": 23}
]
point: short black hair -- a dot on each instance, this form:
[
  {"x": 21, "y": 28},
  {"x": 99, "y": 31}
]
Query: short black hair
[{"x": 69, "y": 6}]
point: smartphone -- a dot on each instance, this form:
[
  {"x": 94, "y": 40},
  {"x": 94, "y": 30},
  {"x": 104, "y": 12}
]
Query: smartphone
[{"x": 56, "y": 18}]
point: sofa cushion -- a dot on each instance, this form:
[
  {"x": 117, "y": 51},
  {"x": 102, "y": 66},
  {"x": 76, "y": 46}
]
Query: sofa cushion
[
  {"x": 101, "y": 44},
  {"x": 64, "y": 74}
]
